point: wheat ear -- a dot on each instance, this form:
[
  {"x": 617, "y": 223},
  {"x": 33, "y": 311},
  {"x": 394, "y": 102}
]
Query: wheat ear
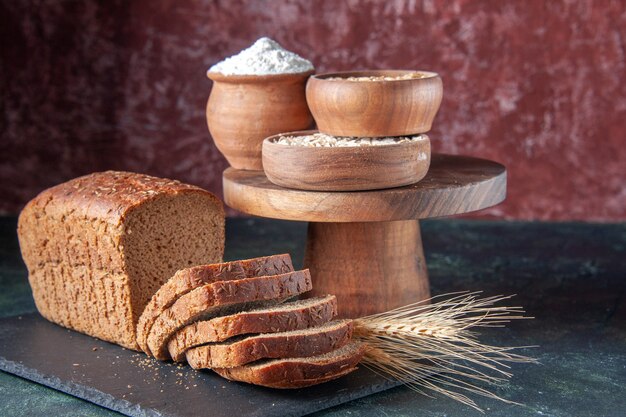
[{"x": 430, "y": 345}]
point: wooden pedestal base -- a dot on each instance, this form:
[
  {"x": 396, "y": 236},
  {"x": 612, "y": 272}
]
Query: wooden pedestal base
[{"x": 370, "y": 266}]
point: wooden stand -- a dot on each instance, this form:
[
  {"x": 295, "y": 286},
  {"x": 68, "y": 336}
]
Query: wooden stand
[
  {"x": 365, "y": 246},
  {"x": 377, "y": 266}
]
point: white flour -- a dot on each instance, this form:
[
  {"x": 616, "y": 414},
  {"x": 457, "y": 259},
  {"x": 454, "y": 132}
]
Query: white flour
[{"x": 263, "y": 58}]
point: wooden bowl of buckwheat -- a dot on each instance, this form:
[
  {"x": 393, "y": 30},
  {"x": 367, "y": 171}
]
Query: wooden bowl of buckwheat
[{"x": 376, "y": 103}]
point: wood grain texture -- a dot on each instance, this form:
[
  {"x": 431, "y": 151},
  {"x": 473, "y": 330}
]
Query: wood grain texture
[
  {"x": 345, "y": 168},
  {"x": 453, "y": 185},
  {"x": 370, "y": 267},
  {"x": 245, "y": 109},
  {"x": 374, "y": 108}
]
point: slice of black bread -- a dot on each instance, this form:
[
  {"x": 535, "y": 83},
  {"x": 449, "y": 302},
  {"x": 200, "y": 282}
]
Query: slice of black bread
[
  {"x": 223, "y": 298},
  {"x": 293, "y": 344},
  {"x": 298, "y": 372},
  {"x": 295, "y": 315},
  {"x": 191, "y": 278}
]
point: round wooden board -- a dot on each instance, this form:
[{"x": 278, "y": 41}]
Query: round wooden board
[{"x": 453, "y": 185}]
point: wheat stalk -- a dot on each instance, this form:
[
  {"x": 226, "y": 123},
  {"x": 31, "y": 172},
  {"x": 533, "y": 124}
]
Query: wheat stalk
[{"x": 430, "y": 345}]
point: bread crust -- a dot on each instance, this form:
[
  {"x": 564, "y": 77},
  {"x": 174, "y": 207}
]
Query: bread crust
[
  {"x": 297, "y": 372},
  {"x": 188, "y": 279},
  {"x": 73, "y": 239},
  {"x": 109, "y": 195},
  {"x": 248, "y": 322},
  {"x": 295, "y": 344},
  {"x": 217, "y": 298}
]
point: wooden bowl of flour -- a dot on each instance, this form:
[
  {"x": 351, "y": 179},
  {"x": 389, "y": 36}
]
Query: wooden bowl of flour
[
  {"x": 307, "y": 160},
  {"x": 374, "y": 103}
]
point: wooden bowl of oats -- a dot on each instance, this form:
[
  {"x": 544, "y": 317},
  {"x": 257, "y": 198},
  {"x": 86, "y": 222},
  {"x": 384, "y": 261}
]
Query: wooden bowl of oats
[
  {"x": 374, "y": 103},
  {"x": 310, "y": 160}
]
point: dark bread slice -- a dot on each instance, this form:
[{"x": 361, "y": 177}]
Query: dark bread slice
[
  {"x": 223, "y": 298},
  {"x": 298, "y": 372},
  {"x": 293, "y": 344},
  {"x": 284, "y": 317},
  {"x": 188, "y": 279}
]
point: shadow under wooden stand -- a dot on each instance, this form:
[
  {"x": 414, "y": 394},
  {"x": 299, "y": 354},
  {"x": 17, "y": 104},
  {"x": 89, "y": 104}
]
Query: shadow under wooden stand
[{"x": 365, "y": 246}]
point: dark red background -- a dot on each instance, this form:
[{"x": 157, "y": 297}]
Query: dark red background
[{"x": 537, "y": 85}]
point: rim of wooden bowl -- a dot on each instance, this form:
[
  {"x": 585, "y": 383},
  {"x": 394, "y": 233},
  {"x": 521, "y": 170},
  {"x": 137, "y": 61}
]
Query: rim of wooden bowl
[
  {"x": 374, "y": 73},
  {"x": 270, "y": 142},
  {"x": 244, "y": 79}
]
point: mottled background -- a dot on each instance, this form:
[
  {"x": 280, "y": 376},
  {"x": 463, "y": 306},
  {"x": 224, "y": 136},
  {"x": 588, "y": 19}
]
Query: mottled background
[{"x": 537, "y": 85}]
